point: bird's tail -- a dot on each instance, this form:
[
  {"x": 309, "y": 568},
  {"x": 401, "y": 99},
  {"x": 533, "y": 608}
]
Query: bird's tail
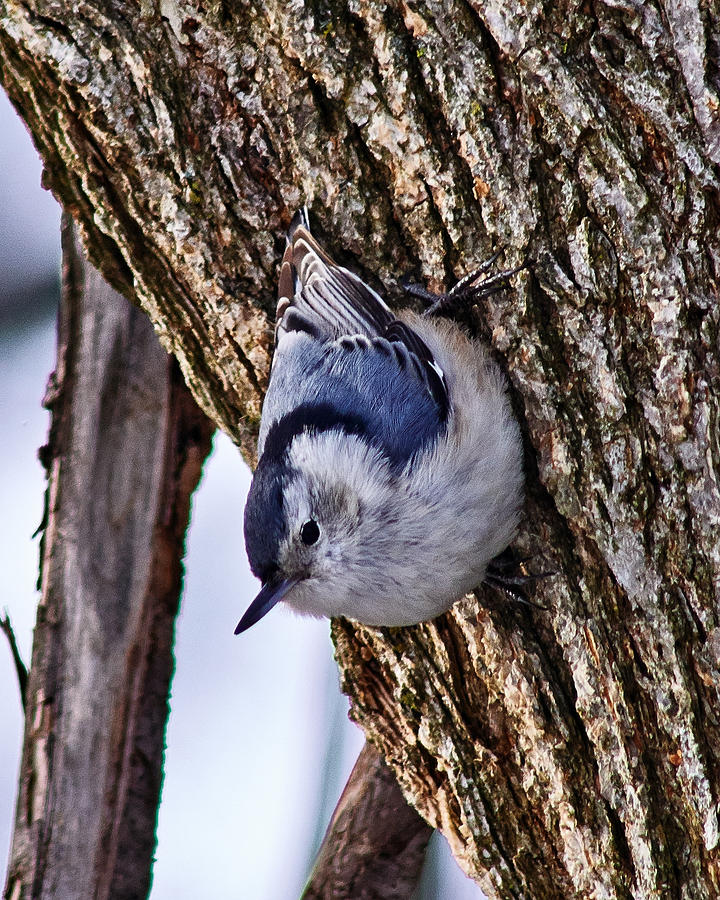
[{"x": 301, "y": 219}]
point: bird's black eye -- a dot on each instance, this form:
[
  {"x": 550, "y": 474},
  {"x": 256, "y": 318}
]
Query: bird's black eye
[{"x": 310, "y": 532}]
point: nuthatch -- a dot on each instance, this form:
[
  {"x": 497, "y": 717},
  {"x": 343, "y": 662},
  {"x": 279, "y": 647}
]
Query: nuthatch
[{"x": 390, "y": 465}]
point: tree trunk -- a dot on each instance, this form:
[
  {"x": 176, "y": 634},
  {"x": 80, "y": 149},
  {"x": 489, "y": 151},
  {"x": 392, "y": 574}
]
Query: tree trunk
[
  {"x": 126, "y": 447},
  {"x": 571, "y": 751}
]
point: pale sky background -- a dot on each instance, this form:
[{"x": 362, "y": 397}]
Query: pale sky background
[{"x": 259, "y": 745}]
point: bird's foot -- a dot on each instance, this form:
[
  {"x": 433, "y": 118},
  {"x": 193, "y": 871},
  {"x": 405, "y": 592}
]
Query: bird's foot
[
  {"x": 507, "y": 572},
  {"x": 469, "y": 288}
]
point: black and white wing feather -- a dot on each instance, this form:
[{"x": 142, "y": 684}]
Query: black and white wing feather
[
  {"x": 318, "y": 296},
  {"x": 330, "y": 303}
]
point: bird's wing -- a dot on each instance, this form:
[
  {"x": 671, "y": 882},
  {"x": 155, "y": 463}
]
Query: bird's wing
[
  {"x": 330, "y": 303},
  {"x": 370, "y": 387},
  {"x": 318, "y": 296}
]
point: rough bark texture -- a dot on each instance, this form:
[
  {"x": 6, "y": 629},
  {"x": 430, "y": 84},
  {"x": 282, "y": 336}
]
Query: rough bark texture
[
  {"x": 375, "y": 844},
  {"x": 567, "y": 752},
  {"x": 126, "y": 447}
]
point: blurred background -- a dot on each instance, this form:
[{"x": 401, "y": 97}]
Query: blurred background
[{"x": 259, "y": 745}]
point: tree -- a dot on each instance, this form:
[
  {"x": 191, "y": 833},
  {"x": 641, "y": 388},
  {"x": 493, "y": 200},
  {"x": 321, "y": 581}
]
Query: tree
[{"x": 565, "y": 751}]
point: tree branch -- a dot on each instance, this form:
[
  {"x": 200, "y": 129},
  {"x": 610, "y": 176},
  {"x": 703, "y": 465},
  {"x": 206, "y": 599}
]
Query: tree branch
[
  {"x": 374, "y": 847},
  {"x": 127, "y": 443}
]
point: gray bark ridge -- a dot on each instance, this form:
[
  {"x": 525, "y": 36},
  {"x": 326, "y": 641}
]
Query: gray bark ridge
[{"x": 571, "y": 752}]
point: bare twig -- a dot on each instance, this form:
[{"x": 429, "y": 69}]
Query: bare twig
[{"x": 20, "y": 667}]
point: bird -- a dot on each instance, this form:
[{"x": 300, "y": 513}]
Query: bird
[{"x": 390, "y": 469}]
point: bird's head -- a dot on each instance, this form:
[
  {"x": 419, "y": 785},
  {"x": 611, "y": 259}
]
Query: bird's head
[{"x": 303, "y": 522}]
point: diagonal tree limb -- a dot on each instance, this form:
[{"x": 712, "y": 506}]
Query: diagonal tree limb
[{"x": 375, "y": 844}]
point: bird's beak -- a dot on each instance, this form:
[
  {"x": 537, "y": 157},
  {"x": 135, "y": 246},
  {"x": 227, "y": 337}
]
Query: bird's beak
[{"x": 272, "y": 592}]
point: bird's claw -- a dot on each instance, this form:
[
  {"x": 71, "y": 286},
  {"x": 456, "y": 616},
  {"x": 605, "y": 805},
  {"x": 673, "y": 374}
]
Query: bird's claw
[
  {"x": 505, "y": 572},
  {"x": 468, "y": 288}
]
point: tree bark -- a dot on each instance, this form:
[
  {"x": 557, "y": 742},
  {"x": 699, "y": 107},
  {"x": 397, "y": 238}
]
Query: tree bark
[
  {"x": 127, "y": 443},
  {"x": 566, "y": 752}
]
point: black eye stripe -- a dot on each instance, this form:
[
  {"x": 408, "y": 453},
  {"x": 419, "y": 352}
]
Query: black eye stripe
[{"x": 310, "y": 532}]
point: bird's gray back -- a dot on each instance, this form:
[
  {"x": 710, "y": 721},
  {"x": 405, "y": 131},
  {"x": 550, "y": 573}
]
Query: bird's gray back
[{"x": 371, "y": 387}]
